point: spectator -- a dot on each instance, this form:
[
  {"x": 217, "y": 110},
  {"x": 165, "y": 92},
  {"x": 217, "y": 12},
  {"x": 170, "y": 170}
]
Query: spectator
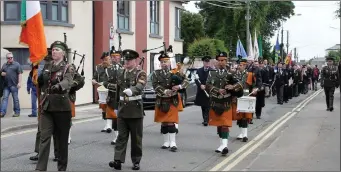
[
  {"x": 315, "y": 78},
  {"x": 12, "y": 73},
  {"x": 31, "y": 89}
]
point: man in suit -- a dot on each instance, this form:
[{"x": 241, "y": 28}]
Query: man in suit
[
  {"x": 202, "y": 97},
  {"x": 280, "y": 78}
]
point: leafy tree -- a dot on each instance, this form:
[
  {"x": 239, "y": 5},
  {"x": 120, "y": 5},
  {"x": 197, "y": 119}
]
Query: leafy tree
[
  {"x": 335, "y": 55},
  {"x": 192, "y": 28},
  {"x": 205, "y": 46},
  {"x": 227, "y": 23}
]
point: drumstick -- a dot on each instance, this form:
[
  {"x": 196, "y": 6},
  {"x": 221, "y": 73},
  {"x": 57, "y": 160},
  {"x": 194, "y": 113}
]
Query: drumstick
[
  {"x": 197, "y": 78},
  {"x": 99, "y": 83},
  {"x": 253, "y": 92}
]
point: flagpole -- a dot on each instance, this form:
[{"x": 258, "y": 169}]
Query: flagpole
[{"x": 248, "y": 17}]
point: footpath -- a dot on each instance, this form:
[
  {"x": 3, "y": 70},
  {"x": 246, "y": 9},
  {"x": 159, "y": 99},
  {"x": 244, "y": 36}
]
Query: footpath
[{"x": 13, "y": 124}]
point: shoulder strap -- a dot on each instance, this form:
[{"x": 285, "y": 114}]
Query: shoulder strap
[{"x": 65, "y": 68}]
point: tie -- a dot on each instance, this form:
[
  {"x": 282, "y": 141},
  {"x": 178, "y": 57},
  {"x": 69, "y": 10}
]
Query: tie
[{"x": 206, "y": 69}]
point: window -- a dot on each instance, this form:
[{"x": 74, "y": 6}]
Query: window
[
  {"x": 123, "y": 15},
  {"x": 22, "y": 56},
  {"x": 152, "y": 56},
  {"x": 177, "y": 23},
  {"x": 154, "y": 17},
  {"x": 56, "y": 11}
]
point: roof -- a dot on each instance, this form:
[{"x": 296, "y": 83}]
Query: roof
[{"x": 335, "y": 47}]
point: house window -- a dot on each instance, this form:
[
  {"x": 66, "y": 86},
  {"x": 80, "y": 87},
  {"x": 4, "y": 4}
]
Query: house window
[
  {"x": 51, "y": 10},
  {"x": 177, "y": 23},
  {"x": 154, "y": 17},
  {"x": 123, "y": 15},
  {"x": 152, "y": 56}
]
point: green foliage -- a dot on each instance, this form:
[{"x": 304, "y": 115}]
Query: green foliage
[
  {"x": 335, "y": 55},
  {"x": 192, "y": 28},
  {"x": 206, "y": 46},
  {"x": 227, "y": 23}
]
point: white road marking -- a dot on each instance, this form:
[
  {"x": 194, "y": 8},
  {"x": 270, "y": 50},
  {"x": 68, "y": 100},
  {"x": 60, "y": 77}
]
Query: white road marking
[
  {"x": 233, "y": 155},
  {"x": 255, "y": 146}
]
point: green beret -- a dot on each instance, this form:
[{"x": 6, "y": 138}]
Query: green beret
[
  {"x": 59, "y": 44},
  {"x": 130, "y": 54},
  {"x": 221, "y": 54}
]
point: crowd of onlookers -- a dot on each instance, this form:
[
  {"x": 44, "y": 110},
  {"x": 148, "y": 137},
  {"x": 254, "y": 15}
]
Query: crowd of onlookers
[{"x": 10, "y": 83}]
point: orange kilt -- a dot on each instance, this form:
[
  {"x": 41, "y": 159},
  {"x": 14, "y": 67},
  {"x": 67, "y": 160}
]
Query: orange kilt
[
  {"x": 73, "y": 109},
  {"x": 172, "y": 116},
  {"x": 180, "y": 106},
  {"x": 110, "y": 113},
  {"x": 225, "y": 119},
  {"x": 103, "y": 107}
]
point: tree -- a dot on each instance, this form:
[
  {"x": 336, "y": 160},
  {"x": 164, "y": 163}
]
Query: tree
[
  {"x": 192, "y": 28},
  {"x": 206, "y": 46},
  {"x": 335, "y": 55},
  {"x": 228, "y": 24}
]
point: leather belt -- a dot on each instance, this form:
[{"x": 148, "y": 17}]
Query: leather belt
[{"x": 131, "y": 98}]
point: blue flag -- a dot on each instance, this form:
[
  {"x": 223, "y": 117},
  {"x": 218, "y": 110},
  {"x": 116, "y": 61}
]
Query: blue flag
[
  {"x": 277, "y": 50},
  {"x": 240, "y": 50}
]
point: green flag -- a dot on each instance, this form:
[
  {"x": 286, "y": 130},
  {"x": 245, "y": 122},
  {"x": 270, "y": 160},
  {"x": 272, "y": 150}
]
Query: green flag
[{"x": 260, "y": 46}]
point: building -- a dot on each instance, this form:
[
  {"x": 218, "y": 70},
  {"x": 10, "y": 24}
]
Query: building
[
  {"x": 87, "y": 24},
  {"x": 320, "y": 62},
  {"x": 336, "y": 47}
]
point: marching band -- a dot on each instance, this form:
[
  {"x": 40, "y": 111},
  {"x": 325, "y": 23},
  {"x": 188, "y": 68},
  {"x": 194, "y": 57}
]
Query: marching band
[{"x": 223, "y": 87}]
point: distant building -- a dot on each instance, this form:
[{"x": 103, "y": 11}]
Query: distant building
[
  {"x": 336, "y": 47},
  {"x": 320, "y": 62}
]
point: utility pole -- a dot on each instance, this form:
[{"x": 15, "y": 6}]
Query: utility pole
[
  {"x": 287, "y": 41},
  {"x": 248, "y": 17},
  {"x": 282, "y": 54},
  {"x": 295, "y": 57}
]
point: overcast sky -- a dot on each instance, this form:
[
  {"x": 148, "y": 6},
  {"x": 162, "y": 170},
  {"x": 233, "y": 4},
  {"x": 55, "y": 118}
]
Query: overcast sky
[{"x": 310, "y": 32}]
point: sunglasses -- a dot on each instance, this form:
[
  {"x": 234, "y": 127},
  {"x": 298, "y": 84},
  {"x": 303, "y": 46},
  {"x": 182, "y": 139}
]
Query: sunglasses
[{"x": 9, "y": 57}]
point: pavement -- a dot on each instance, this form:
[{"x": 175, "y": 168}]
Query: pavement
[{"x": 90, "y": 149}]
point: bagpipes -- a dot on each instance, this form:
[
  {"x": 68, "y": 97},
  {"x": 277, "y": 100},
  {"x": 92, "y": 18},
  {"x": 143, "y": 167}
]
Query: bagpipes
[{"x": 176, "y": 78}]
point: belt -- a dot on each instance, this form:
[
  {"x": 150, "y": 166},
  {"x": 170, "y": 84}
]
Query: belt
[
  {"x": 132, "y": 98},
  {"x": 222, "y": 96}
]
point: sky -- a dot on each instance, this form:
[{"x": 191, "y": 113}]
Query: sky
[{"x": 310, "y": 30}]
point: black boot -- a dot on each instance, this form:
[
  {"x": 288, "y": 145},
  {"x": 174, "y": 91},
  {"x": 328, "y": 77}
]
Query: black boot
[
  {"x": 34, "y": 158},
  {"x": 115, "y": 164},
  {"x": 225, "y": 151},
  {"x": 136, "y": 166}
]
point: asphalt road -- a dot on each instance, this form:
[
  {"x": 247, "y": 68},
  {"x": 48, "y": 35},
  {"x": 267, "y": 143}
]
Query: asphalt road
[{"x": 90, "y": 149}]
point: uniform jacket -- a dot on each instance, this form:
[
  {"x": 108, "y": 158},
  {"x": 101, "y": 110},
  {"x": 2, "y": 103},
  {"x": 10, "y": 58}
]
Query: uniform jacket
[
  {"x": 100, "y": 75},
  {"x": 135, "y": 80},
  {"x": 61, "y": 75},
  {"x": 113, "y": 72},
  {"x": 329, "y": 76},
  {"x": 201, "y": 98}
]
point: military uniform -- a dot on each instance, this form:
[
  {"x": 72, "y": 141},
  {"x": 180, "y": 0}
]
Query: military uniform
[
  {"x": 329, "y": 80},
  {"x": 221, "y": 113},
  {"x": 55, "y": 83},
  {"x": 167, "y": 101},
  {"x": 202, "y": 99},
  {"x": 243, "y": 118},
  {"x": 113, "y": 97},
  {"x": 130, "y": 87},
  {"x": 100, "y": 75}
]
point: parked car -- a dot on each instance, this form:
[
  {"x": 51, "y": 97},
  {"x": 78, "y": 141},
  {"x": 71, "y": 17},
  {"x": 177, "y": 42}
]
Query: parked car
[{"x": 187, "y": 95}]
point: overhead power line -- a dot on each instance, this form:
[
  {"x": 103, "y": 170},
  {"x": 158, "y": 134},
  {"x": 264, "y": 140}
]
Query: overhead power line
[
  {"x": 229, "y": 3},
  {"x": 223, "y": 6}
]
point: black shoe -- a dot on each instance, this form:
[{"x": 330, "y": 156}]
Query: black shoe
[
  {"x": 245, "y": 139},
  {"x": 251, "y": 122},
  {"x": 108, "y": 130},
  {"x": 327, "y": 109},
  {"x": 115, "y": 164},
  {"x": 176, "y": 131},
  {"x": 331, "y": 109},
  {"x": 55, "y": 159},
  {"x": 258, "y": 117},
  {"x": 136, "y": 166},
  {"x": 164, "y": 147},
  {"x": 225, "y": 151},
  {"x": 31, "y": 115},
  {"x": 34, "y": 158},
  {"x": 205, "y": 123},
  {"x": 113, "y": 143},
  {"x": 173, "y": 149}
]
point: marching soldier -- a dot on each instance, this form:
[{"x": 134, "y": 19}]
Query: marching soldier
[
  {"x": 113, "y": 97},
  {"x": 130, "y": 84},
  {"x": 221, "y": 85},
  {"x": 55, "y": 82},
  {"x": 202, "y": 97},
  {"x": 329, "y": 80},
  {"x": 280, "y": 78},
  {"x": 296, "y": 80},
  {"x": 101, "y": 76},
  {"x": 166, "y": 85},
  {"x": 243, "y": 118}
]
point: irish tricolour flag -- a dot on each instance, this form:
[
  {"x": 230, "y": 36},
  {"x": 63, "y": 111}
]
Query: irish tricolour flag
[{"x": 32, "y": 33}]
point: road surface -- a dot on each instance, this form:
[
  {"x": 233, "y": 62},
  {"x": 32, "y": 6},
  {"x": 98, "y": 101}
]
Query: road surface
[{"x": 302, "y": 142}]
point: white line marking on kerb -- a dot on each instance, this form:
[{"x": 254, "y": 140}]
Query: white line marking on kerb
[{"x": 233, "y": 155}]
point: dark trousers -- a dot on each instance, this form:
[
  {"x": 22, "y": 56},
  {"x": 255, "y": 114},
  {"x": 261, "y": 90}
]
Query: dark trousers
[
  {"x": 58, "y": 124},
  {"x": 290, "y": 92},
  {"x": 37, "y": 143},
  {"x": 134, "y": 127},
  {"x": 280, "y": 91},
  {"x": 205, "y": 111},
  {"x": 295, "y": 90},
  {"x": 329, "y": 92},
  {"x": 285, "y": 93},
  {"x": 260, "y": 102}
]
